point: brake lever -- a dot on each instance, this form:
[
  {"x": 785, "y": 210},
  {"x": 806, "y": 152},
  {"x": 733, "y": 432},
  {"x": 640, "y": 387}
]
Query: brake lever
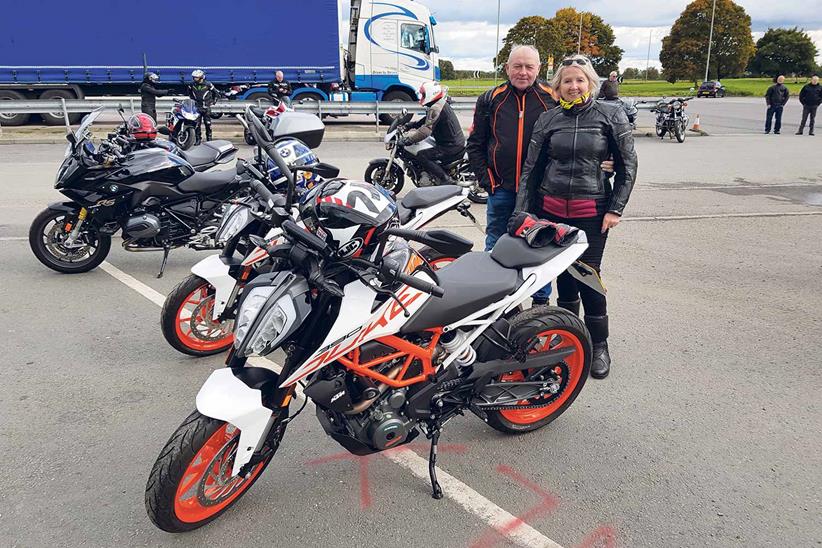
[{"x": 373, "y": 276}]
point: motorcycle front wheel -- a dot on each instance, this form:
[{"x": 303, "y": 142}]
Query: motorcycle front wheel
[
  {"x": 186, "y": 320},
  {"x": 47, "y": 238},
  {"x": 185, "y": 139},
  {"x": 660, "y": 130},
  {"x": 191, "y": 482},
  {"x": 679, "y": 133},
  {"x": 392, "y": 182}
]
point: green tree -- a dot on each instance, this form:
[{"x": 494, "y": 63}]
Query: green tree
[
  {"x": 447, "y": 71},
  {"x": 685, "y": 50},
  {"x": 653, "y": 74},
  {"x": 784, "y": 51},
  {"x": 557, "y": 37},
  {"x": 630, "y": 73}
]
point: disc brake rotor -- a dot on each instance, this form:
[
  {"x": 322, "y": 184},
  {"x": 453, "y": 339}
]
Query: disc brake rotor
[
  {"x": 203, "y": 327},
  {"x": 55, "y": 243}
]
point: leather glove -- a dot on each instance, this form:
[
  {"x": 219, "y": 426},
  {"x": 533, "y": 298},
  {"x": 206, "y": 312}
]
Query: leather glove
[{"x": 539, "y": 232}]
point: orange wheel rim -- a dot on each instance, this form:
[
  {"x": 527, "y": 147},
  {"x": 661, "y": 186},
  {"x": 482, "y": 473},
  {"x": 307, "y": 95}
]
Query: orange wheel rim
[
  {"x": 207, "y": 486},
  {"x": 569, "y": 373},
  {"x": 194, "y": 326}
]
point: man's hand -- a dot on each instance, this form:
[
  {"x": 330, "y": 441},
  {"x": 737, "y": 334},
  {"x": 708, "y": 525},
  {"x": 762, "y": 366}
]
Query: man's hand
[
  {"x": 609, "y": 221},
  {"x": 607, "y": 166}
]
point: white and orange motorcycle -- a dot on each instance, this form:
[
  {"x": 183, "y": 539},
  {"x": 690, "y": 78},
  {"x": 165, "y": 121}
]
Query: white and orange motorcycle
[{"x": 384, "y": 346}]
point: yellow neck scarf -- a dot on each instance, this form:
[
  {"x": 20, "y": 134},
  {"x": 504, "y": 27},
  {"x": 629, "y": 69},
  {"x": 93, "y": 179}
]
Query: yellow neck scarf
[{"x": 578, "y": 101}]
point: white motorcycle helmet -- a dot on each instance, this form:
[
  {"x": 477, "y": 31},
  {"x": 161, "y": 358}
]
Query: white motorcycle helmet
[
  {"x": 431, "y": 92},
  {"x": 198, "y": 75}
]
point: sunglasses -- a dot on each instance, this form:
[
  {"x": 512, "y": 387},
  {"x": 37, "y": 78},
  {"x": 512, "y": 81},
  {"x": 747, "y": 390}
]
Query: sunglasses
[{"x": 569, "y": 62}]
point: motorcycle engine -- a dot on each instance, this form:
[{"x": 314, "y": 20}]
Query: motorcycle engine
[
  {"x": 361, "y": 416},
  {"x": 142, "y": 226}
]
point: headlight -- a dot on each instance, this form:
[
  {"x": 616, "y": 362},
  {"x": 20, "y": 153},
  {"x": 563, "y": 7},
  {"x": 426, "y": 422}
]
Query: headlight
[
  {"x": 189, "y": 116},
  {"x": 268, "y": 330},
  {"x": 233, "y": 222},
  {"x": 68, "y": 151},
  {"x": 251, "y": 307}
]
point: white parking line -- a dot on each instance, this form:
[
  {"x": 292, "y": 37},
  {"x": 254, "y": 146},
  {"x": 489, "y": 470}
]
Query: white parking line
[
  {"x": 13, "y": 238},
  {"x": 723, "y": 216},
  {"x": 456, "y": 490}
]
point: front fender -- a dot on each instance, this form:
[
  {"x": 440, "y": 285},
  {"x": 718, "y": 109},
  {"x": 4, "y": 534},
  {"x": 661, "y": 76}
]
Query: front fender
[
  {"x": 226, "y": 397},
  {"x": 66, "y": 207},
  {"x": 213, "y": 270},
  {"x": 378, "y": 162}
]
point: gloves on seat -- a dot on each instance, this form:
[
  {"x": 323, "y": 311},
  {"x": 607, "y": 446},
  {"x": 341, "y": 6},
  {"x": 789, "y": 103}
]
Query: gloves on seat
[{"x": 539, "y": 232}]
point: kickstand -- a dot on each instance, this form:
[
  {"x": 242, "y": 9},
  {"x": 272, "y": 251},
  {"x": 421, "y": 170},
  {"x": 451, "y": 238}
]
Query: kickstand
[
  {"x": 166, "y": 251},
  {"x": 432, "y": 465}
]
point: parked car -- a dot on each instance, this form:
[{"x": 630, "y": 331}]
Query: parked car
[{"x": 711, "y": 89}]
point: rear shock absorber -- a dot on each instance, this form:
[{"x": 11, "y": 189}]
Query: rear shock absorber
[{"x": 452, "y": 341}]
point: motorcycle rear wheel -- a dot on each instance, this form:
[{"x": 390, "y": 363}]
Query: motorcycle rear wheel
[
  {"x": 47, "y": 238},
  {"x": 186, "y": 320},
  {"x": 548, "y": 328},
  {"x": 190, "y": 483}
]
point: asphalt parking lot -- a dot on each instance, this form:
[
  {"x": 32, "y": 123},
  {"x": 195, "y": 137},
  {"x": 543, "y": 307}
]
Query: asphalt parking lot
[{"x": 707, "y": 432}]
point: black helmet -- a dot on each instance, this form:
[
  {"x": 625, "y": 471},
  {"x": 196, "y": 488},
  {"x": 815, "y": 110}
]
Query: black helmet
[
  {"x": 351, "y": 216},
  {"x": 151, "y": 77}
]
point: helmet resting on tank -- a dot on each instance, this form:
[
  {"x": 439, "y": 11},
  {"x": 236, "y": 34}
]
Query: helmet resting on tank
[{"x": 296, "y": 154}]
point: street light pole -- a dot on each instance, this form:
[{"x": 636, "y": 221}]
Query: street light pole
[
  {"x": 579, "y": 38},
  {"x": 648, "y": 60},
  {"x": 710, "y": 40},
  {"x": 496, "y": 47}
]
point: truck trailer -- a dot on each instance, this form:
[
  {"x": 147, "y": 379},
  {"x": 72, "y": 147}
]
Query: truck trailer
[{"x": 52, "y": 49}]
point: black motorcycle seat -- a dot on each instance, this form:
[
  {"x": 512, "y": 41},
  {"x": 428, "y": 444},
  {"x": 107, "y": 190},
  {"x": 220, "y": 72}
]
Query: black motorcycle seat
[
  {"x": 428, "y": 196},
  {"x": 208, "y": 182},
  {"x": 471, "y": 283},
  {"x": 404, "y": 213},
  {"x": 514, "y": 252},
  {"x": 200, "y": 154}
]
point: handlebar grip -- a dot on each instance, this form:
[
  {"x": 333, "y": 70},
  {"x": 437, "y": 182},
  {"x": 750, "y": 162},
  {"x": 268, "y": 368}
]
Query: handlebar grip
[
  {"x": 304, "y": 237},
  {"x": 261, "y": 190},
  {"x": 422, "y": 285}
]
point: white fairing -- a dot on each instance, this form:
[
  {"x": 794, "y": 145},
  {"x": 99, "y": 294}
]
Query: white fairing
[
  {"x": 356, "y": 326},
  {"x": 215, "y": 271},
  {"x": 225, "y": 397},
  {"x": 425, "y": 214}
]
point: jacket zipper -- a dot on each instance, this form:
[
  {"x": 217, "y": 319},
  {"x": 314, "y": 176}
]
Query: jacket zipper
[
  {"x": 573, "y": 168},
  {"x": 520, "y": 128}
]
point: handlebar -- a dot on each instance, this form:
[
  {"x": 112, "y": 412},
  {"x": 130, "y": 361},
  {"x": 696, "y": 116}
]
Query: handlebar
[{"x": 391, "y": 270}]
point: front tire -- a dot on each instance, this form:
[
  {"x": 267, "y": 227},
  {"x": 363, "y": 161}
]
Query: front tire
[
  {"x": 47, "y": 236},
  {"x": 392, "y": 182},
  {"x": 185, "y": 139},
  {"x": 550, "y": 328},
  {"x": 190, "y": 483},
  {"x": 679, "y": 132},
  {"x": 186, "y": 320}
]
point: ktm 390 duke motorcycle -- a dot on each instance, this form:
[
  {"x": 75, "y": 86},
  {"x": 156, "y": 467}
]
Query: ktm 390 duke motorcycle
[{"x": 386, "y": 348}]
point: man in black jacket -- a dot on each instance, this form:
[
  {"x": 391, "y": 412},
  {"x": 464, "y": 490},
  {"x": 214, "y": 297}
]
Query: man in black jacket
[
  {"x": 204, "y": 94},
  {"x": 810, "y": 97},
  {"x": 279, "y": 88},
  {"x": 149, "y": 94},
  {"x": 776, "y": 97}
]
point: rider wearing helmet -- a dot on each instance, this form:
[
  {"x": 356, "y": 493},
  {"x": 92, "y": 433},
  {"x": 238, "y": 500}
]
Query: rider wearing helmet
[
  {"x": 351, "y": 216},
  {"x": 442, "y": 123},
  {"x": 149, "y": 94},
  {"x": 204, "y": 94},
  {"x": 141, "y": 128}
]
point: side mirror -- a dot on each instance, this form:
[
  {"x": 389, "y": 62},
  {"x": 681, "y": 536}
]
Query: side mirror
[{"x": 71, "y": 139}]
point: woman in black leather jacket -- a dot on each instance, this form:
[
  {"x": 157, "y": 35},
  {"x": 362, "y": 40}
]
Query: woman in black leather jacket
[{"x": 562, "y": 181}]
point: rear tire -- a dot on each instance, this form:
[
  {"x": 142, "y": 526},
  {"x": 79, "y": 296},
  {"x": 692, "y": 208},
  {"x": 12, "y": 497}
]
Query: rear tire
[
  {"x": 558, "y": 328},
  {"x": 20, "y": 119},
  {"x": 375, "y": 174},
  {"x": 187, "y": 463},
  {"x": 186, "y": 320},
  {"x": 47, "y": 233}
]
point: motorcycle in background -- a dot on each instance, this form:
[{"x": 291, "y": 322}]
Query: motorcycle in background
[
  {"x": 181, "y": 123},
  {"x": 390, "y": 172},
  {"x": 671, "y": 118}
]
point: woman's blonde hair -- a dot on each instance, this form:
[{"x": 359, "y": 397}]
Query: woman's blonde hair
[{"x": 587, "y": 69}]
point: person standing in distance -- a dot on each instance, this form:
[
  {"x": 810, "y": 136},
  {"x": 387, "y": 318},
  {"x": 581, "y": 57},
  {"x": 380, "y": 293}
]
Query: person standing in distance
[
  {"x": 810, "y": 97},
  {"x": 204, "y": 94},
  {"x": 279, "y": 88},
  {"x": 776, "y": 97},
  {"x": 149, "y": 94}
]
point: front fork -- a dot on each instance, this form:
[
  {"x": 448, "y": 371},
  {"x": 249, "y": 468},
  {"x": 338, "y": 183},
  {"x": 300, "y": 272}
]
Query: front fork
[{"x": 75, "y": 230}]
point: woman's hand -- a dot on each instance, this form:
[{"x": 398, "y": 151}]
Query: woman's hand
[
  {"x": 607, "y": 166},
  {"x": 609, "y": 221}
]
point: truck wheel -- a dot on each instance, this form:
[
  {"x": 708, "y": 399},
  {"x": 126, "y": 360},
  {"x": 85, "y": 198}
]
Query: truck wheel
[
  {"x": 393, "y": 96},
  {"x": 262, "y": 97},
  {"x": 13, "y": 119},
  {"x": 56, "y": 118},
  {"x": 310, "y": 98}
]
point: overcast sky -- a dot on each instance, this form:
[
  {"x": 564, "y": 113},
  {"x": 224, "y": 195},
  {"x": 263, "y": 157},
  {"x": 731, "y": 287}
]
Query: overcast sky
[{"x": 466, "y": 30}]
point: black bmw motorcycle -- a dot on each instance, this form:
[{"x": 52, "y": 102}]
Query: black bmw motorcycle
[{"x": 155, "y": 197}]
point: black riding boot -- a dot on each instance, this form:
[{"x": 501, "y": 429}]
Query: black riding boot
[
  {"x": 570, "y": 306},
  {"x": 601, "y": 360}
]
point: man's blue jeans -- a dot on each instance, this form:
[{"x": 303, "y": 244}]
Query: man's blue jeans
[{"x": 500, "y": 207}]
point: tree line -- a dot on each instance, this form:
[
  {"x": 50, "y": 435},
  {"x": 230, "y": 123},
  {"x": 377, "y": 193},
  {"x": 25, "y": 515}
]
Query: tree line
[{"x": 788, "y": 51}]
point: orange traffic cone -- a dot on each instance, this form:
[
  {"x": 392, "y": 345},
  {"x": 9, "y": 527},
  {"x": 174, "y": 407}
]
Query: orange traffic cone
[{"x": 696, "y": 124}]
